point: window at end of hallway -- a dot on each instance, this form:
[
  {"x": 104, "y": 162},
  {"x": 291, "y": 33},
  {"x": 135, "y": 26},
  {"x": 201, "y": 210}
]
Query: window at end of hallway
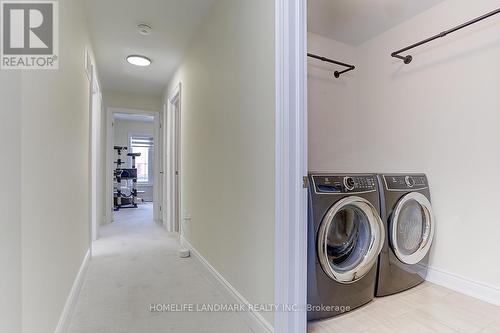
[{"x": 143, "y": 144}]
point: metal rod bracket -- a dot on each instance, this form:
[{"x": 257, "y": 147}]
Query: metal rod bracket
[{"x": 335, "y": 73}]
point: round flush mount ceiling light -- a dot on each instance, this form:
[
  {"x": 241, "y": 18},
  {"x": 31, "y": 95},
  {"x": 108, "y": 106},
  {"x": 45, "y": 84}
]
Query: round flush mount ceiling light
[
  {"x": 138, "y": 60},
  {"x": 144, "y": 29}
]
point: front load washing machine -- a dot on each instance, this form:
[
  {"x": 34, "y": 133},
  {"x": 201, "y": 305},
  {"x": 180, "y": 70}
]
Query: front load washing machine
[
  {"x": 407, "y": 213},
  {"x": 345, "y": 236}
]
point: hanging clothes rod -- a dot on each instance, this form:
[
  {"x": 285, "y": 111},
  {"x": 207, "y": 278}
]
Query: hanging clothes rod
[
  {"x": 408, "y": 58},
  {"x": 336, "y": 73}
]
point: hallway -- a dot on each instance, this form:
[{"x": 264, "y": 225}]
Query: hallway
[{"x": 135, "y": 264}]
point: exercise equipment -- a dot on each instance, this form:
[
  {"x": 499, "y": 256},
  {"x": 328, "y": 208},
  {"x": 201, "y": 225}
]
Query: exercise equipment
[{"x": 125, "y": 181}]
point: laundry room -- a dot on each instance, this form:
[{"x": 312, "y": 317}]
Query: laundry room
[{"x": 403, "y": 100}]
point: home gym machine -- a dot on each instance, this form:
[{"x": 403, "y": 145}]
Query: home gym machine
[{"x": 125, "y": 182}]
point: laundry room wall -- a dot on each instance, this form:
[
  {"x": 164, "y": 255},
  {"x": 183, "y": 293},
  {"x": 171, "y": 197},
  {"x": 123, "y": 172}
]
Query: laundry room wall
[
  {"x": 440, "y": 115},
  {"x": 437, "y": 115},
  {"x": 332, "y": 107},
  {"x": 123, "y": 128},
  {"x": 227, "y": 144}
]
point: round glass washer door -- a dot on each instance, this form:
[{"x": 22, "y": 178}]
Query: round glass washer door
[
  {"x": 350, "y": 239},
  {"x": 412, "y": 228}
]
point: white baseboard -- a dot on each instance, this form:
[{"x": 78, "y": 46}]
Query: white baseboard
[
  {"x": 69, "y": 307},
  {"x": 255, "y": 320},
  {"x": 479, "y": 290}
]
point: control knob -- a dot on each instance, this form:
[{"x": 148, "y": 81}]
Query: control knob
[
  {"x": 349, "y": 183},
  {"x": 410, "y": 182}
]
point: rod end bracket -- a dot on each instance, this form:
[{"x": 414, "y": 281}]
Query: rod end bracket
[{"x": 408, "y": 59}]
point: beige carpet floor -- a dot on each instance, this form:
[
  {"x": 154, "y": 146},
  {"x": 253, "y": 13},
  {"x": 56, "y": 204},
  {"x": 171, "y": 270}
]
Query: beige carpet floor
[{"x": 134, "y": 265}]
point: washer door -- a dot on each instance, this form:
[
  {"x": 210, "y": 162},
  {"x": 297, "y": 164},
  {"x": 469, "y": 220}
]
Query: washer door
[
  {"x": 350, "y": 239},
  {"x": 412, "y": 228}
]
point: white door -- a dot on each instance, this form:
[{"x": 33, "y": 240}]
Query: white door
[
  {"x": 110, "y": 166},
  {"x": 158, "y": 168},
  {"x": 96, "y": 108},
  {"x": 176, "y": 169},
  {"x": 165, "y": 158},
  {"x": 173, "y": 151},
  {"x": 161, "y": 168}
]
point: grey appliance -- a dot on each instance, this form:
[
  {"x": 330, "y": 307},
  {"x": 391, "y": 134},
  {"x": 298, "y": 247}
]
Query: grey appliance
[
  {"x": 407, "y": 213},
  {"x": 345, "y": 237}
]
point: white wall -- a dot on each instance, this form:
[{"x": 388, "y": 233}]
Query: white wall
[
  {"x": 131, "y": 101},
  {"x": 443, "y": 113},
  {"x": 438, "y": 115},
  {"x": 54, "y": 176},
  {"x": 10, "y": 202},
  {"x": 45, "y": 225},
  {"x": 331, "y": 106},
  {"x": 125, "y": 127},
  {"x": 122, "y": 130},
  {"x": 227, "y": 153}
]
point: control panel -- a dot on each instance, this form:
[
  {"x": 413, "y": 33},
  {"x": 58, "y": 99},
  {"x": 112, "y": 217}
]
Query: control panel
[
  {"x": 405, "y": 182},
  {"x": 344, "y": 184}
]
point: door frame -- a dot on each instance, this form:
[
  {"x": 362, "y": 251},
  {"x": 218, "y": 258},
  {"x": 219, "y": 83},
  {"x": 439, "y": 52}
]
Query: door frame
[
  {"x": 164, "y": 168},
  {"x": 172, "y": 134},
  {"x": 158, "y": 168},
  {"x": 290, "y": 281},
  {"x": 110, "y": 156},
  {"x": 95, "y": 152}
]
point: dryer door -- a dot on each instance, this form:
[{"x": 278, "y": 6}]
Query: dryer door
[
  {"x": 350, "y": 238},
  {"x": 412, "y": 228}
]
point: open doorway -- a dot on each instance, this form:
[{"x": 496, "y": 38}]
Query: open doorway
[{"x": 133, "y": 163}]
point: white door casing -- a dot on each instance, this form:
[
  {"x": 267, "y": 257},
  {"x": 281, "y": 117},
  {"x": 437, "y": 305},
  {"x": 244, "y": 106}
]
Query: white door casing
[
  {"x": 109, "y": 164},
  {"x": 157, "y": 169},
  {"x": 173, "y": 110},
  {"x": 165, "y": 159},
  {"x": 290, "y": 278},
  {"x": 95, "y": 152}
]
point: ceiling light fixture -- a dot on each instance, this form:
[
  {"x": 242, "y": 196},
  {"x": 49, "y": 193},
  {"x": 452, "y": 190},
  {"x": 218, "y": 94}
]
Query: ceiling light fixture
[{"x": 139, "y": 60}]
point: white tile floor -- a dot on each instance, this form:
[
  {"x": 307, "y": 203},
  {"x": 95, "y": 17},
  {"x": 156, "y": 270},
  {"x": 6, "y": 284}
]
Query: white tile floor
[
  {"x": 134, "y": 264},
  {"x": 428, "y": 308}
]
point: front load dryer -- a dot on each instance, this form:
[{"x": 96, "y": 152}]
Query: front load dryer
[
  {"x": 407, "y": 213},
  {"x": 345, "y": 237}
]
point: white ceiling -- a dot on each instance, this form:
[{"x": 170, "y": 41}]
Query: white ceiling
[
  {"x": 133, "y": 117},
  {"x": 356, "y": 21},
  {"x": 114, "y": 36}
]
